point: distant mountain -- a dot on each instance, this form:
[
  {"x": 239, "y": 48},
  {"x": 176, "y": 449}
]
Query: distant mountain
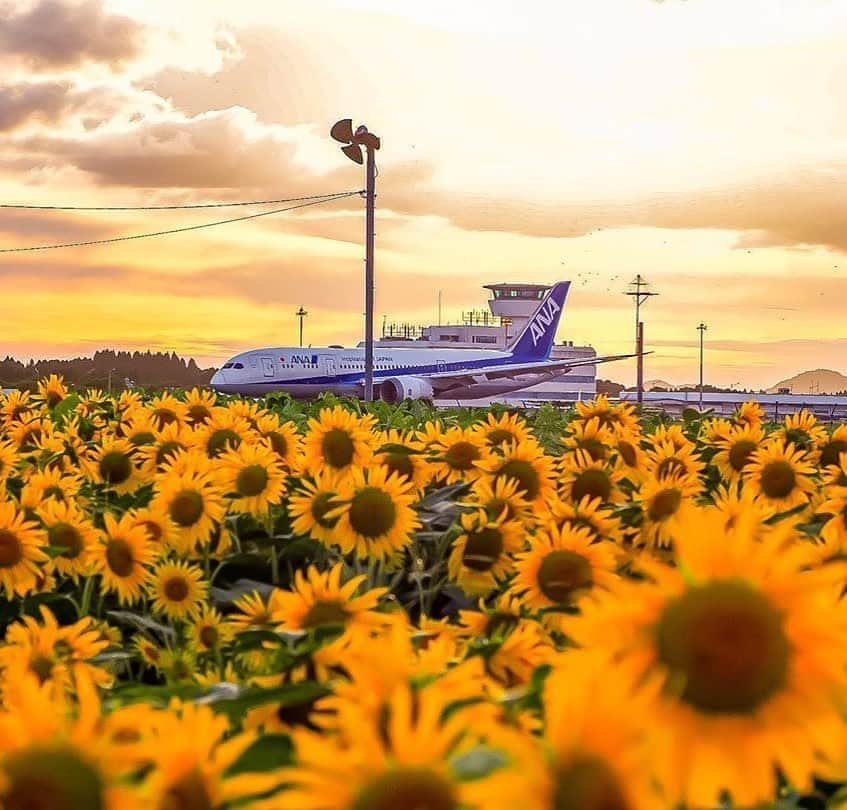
[
  {"x": 819, "y": 381},
  {"x": 159, "y": 369}
]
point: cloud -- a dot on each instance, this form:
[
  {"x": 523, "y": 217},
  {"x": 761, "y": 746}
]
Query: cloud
[
  {"x": 55, "y": 226},
  {"x": 55, "y": 34}
]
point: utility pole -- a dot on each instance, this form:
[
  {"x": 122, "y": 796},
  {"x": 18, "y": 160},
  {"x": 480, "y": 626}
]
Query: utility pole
[
  {"x": 342, "y": 131},
  {"x": 301, "y": 314},
  {"x": 439, "y": 307},
  {"x": 640, "y": 293},
  {"x": 701, "y": 329}
]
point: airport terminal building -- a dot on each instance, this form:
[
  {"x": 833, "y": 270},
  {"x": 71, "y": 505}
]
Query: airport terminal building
[{"x": 509, "y": 309}]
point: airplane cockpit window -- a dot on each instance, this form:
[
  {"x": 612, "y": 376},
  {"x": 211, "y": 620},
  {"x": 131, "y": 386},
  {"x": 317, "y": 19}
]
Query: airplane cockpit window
[
  {"x": 238, "y": 365},
  {"x": 227, "y": 365}
]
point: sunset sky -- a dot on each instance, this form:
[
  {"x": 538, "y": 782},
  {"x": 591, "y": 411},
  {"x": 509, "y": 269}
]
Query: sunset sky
[{"x": 701, "y": 143}]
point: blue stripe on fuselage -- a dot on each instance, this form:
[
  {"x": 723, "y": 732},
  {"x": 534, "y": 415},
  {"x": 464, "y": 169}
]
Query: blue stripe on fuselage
[{"x": 413, "y": 371}]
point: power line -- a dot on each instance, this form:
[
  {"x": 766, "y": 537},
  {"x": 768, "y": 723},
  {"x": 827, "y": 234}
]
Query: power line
[
  {"x": 177, "y": 230},
  {"x": 174, "y": 207}
]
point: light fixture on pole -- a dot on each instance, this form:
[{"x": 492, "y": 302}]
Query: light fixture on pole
[
  {"x": 342, "y": 131},
  {"x": 701, "y": 329},
  {"x": 640, "y": 292},
  {"x": 301, "y": 314}
]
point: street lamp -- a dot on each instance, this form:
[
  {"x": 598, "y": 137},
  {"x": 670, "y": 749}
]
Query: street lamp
[
  {"x": 342, "y": 131},
  {"x": 701, "y": 329},
  {"x": 301, "y": 314}
]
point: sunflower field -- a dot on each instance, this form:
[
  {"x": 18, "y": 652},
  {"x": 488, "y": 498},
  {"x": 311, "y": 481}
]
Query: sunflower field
[{"x": 211, "y": 604}]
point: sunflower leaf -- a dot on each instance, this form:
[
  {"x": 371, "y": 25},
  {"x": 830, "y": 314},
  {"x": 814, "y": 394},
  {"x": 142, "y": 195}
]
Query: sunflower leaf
[
  {"x": 478, "y": 762},
  {"x": 269, "y": 752},
  {"x": 141, "y": 622}
]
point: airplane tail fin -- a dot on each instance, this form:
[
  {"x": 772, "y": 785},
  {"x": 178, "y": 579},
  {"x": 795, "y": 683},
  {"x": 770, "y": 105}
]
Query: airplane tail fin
[{"x": 536, "y": 339}]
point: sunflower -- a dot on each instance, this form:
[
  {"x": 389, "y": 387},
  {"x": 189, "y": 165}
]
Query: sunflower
[
  {"x": 224, "y": 430},
  {"x": 780, "y": 475},
  {"x": 193, "y": 751},
  {"x": 401, "y": 453},
  {"x": 54, "y": 758},
  {"x": 49, "y": 485},
  {"x": 166, "y": 409},
  {"x": 8, "y": 461},
  {"x": 502, "y": 499},
  {"x": 588, "y": 514},
  {"x": 253, "y": 476},
  {"x": 664, "y": 503},
  {"x": 590, "y": 435},
  {"x": 15, "y": 407},
  {"x": 112, "y": 464},
  {"x": 736, "y": 448},
  {"x": 749, "y": 413},
  {"x": 835, "y": 475},
  {"x": 591, "y": 755},
  {"x": 253, "y": 612},
  {"x": 68, "y": 528},
  {"x": 171, "y": 440},
  {"x": 157, "y": 524},
  {"x": 713, "y": 431},
  {"x": 456, "y": 454},
  {"x": 122, "y": 558},
  {"x": 732, "y": 502},
  {"x": 337, "y": 441},
  {"x": 803, "y": 431},
  {"x": 208, "y": 632},
  {"x": 581, "y": 477},
  {"x": 28, "y": 433},
  {"x": 283, "y": 437},
  {"x": 830, "y": 447},
  {"x": 628, "y": 455},
  {"x": 737, "y": 650},
  {"x": 318, "y": 598},
  {"x": 404, "y": 762},
  {"x": 375, "y": 514},
  {"x": 52, "y": 391},
  {"x": 199, "y": 406},
  {"x": 482, "y": 555},
  {"x": 668, "y": 460},
  {"x": 622, "y": 414},
  {"x": 20, "y": 551},
  {"x": 673, "y": 434},
  {"x": 247, "y": 409},
  {"x": 527, "y": 464},
  {"x": 310, "y": 506},
  {"x": 508, "y": 428},
  {"x": 191, "y": 498},
  {"x": 138, "y": 427},
  {"x": 149, "y": 652},
  {"x": 177, "y": 589},
  {"x": 561, "y": 565}
]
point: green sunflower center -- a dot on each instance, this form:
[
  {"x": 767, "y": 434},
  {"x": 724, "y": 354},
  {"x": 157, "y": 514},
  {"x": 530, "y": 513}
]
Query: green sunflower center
[
  {"x": 529, "y": 481},
  {"x": 164, "y": 416},
  {"x": 664, "y": 504},
  {"x": 563, "y": 573},
  {"x": 740, "y": 452},
  {"x": 188, "y": 793},
  {"x": 153, "y": 529},
  {"x": 30, "y": 439},
  {"x": 483, "y": 548},
  {"x": 321, "y": 504},
  {"x": 724, "y": 646},
  {"x": 279, "y": 443},
  {"x": 798, "y": 437},
  {"x": 628, "y": 454},
  {"x": 115, "y": 467},
  {"x": 587, "y": 783},
  {"x": 54, "y": 492},
  {"x": 142, "y": 438},
  {"x": 52, "y": 399},
  {"x": 329, "y": 611},
  {"x": 500, "y": 436},
  {"x": 209, "y": 637},
  {"x": 252, "y": 480},
  {"x": 777, "y": 479},
  {"x": 831, "y": 451},
  {"x": 594, "y": 447},
  {"x": 400, "y": 463},
  {"x": 11, "y": 549},
  {"x": 119, "y": 557},
  {"x": 461, "y": 456},
  {"x": 669, "y": 467},
  {"x": 338, "y": 448},
  {"x": 51, "y": 778},
  {"x": 186, "y": 508},
  {"x": 496, "y": 506},
  {"x": 592, "y": 482},
  {"x": 198, "y": 414},
  {"x": 67, "y": 537},
  {"x": 221, "y": 439},
  {"x": 372, "y": 512},
  {"x": 299, "y": 714},
  {"x": 416, "y": 788},
  {"x": 176, "y": 589},
  {"x": 166, "y": 451}
]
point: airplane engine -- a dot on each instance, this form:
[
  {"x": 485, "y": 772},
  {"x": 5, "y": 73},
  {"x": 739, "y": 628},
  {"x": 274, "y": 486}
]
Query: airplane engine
[{"x": 398, "y": 389}]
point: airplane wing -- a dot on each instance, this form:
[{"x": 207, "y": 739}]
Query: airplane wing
[{"x": 445, "y": 380}]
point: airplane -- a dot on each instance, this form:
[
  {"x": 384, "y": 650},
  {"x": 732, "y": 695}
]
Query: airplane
[{"x": 402, "y": 374}]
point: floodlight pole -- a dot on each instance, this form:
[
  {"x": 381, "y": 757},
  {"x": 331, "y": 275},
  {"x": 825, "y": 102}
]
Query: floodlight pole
[
  {"x": 370, "y": 204},
  {"x": 301, "y": 314},
  {"x": 701, "y": 329}
]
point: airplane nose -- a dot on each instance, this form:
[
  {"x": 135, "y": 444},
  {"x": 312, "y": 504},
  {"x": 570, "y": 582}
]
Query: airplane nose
[{"x": 218, "y": 378}]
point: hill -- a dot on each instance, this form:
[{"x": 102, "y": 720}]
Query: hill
[
  {"x": 159, "y": 369},
  {"x": 819, "y": 381}
]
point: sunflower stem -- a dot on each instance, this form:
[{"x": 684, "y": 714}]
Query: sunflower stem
[
  {"x": 87, "y": 591},
  {"x": 274, "y": 565}
]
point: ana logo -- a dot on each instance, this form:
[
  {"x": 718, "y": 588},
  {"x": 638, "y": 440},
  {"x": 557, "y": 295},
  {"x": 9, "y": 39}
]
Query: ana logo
[
  {"x": 300, "y": 358},
  {"x": 542, "y": 320}
]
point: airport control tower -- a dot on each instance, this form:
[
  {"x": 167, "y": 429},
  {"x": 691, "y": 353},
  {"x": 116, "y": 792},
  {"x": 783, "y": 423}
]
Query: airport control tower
[{"x": 515, "y": 303}]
